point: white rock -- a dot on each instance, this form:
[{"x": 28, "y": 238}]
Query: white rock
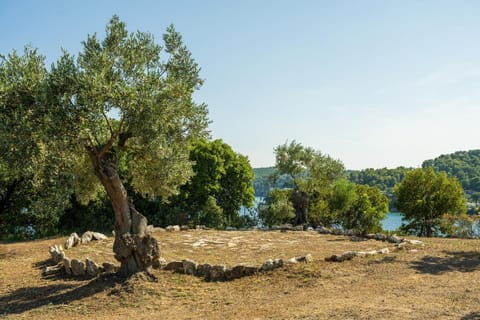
[{"x": 78, "y": 267}]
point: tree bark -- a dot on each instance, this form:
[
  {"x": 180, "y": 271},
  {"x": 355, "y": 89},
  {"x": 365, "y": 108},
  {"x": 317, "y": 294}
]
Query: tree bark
[
  {"x": 134, "y": 247},
  {"x": 300, "y": 201}
]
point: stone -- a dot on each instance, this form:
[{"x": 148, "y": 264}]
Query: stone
[
  {"x": 72, "y": 241},
  {"x": 363, "y": 254},
  {"x": 348, "y": 255},
  {"x": 394, "y": 239},
  {"x": 184, "y": 228},
  {"x": 380, "y": 237},
  {"x": 323, "y": 230},
  {"x": 86, "y": 237},
  {"x": 98, "y": 236},
  {"x": 51, "y": 270},
  {"x": 91, "y": 268},
  {"x": 203, "y": 270},
  {"x": 306, "y": 258},
  {"x": 357, "y": 239},
  {"x": 67, "y": 266},
  {"x": 175, "y": 266},
  {"x": 337, "y": 232},
  {"x": 271, "y": 264},
  {"x": 292, "y": 260},
  {"x": 231, "y": 229},
  {"x": 309, "y": 229},
  {"x": 217, "y": 273},
  {"x": 160, "y": 262},
  {"x": 201, "y": 227},
  {"x": 267, "y": 265},
  {"x": 109, "y": 267},
  {"x": 57, "y": 253},
  {"x": 78, "y": 267},
  {"x": 415, "y": 242},
  {"x": 173, "y": 228},
  {"x": 384, "y": 251},
  {"x": 240, "y": 271},
  {"x": 189, "y": 267}
]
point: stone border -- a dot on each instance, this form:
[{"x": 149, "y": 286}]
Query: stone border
[
  {"x": 75, "y": 267},
  {"x": 223, "y": 273}
]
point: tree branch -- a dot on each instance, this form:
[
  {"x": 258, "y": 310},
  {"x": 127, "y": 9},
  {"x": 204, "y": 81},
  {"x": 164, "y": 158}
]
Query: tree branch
[
  {"x": 108, "y": 122},
  {"x": 111, "y": 141}
]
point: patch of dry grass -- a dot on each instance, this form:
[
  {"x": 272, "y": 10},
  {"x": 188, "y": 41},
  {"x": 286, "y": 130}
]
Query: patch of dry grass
[{"x": 440, "y": 281}]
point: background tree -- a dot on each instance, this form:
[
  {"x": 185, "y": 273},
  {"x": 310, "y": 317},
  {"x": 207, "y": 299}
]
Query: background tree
[
  {"x": 35, "y": 186},
  {"x": 128, "y": 115},
  {"x": 364, "y": 211},
  {"x": 277, "y": 208},
  {"x": 222, "y": 178},
  {"x": 424, "y": 196},
  {"x": 311, "y": 173}
]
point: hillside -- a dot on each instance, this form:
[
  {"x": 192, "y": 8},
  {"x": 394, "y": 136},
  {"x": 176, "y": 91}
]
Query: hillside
[
  {"x": 439, "y": 281},
  {"x": 465, "y": 165}
]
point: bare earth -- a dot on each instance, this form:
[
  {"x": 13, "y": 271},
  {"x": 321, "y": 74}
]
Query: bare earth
[{"x": 440, "y": 281}]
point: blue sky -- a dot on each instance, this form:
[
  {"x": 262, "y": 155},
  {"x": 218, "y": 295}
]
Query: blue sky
[{"x": 372, "y": 83}]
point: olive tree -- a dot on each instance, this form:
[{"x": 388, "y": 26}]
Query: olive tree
[{"x": 124, "y": 108}]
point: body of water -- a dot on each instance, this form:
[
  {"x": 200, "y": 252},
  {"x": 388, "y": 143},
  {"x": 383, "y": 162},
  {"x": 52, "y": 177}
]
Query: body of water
[{"x": 392, "y": 221}]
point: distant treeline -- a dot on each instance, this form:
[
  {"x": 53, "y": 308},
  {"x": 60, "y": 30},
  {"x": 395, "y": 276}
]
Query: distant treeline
[{"x": 464, "y": 165}]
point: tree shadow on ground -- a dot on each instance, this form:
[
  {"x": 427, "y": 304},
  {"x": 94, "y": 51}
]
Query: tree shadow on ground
[
  {"x": 25, "y": 299},
  {"x": 471, "y": 316},
  {"x": 453, "y": 261}
]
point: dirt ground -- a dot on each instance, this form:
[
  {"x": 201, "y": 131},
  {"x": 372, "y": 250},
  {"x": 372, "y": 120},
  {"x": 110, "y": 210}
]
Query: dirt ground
[{"x": 439, "y": 281}]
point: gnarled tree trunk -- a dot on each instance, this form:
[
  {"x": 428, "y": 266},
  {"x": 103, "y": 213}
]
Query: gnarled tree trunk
[
  {"x": 300, "y": 201},
  {"x": 134, "y": 248}
]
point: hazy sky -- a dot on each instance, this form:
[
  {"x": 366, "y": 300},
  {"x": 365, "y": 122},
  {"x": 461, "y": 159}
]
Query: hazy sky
[{"x": 372, "y": 83}]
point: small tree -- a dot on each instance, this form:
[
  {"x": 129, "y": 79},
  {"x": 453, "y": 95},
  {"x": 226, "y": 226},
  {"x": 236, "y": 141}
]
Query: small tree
[
  {"x": 311, "y": 172},
  {"x": 278, "y": 208},
  {"x": 424, "y": 196}
]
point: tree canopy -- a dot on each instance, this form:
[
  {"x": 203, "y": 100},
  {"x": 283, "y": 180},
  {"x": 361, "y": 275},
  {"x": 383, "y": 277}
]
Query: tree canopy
[
  {"x": 221, "y": 178},
  {"x": 425, "y": 196},
  {"x": 121, "y": 111}
]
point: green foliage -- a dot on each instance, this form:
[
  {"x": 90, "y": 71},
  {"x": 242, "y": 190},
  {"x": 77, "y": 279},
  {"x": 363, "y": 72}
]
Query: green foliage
[
  {"x": 125, "y": 101},
  {"x": 35, "y": 183},
  {"x": 465, "y": 165},
  {"x": 151, "y": 98},
  {"x": 277, "y": 208},
  {"x": 459, "y": 226},
  {"x": 311, "y": 173},
  {"x": 96, "y": 215},
  {"x": 425, "y": 196},
  {"x": 364, "y": 211},
  {"x": 211, "y": 214},
  {"x": 384, "y": 179},
  {"x": 223, "y": 180}
]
